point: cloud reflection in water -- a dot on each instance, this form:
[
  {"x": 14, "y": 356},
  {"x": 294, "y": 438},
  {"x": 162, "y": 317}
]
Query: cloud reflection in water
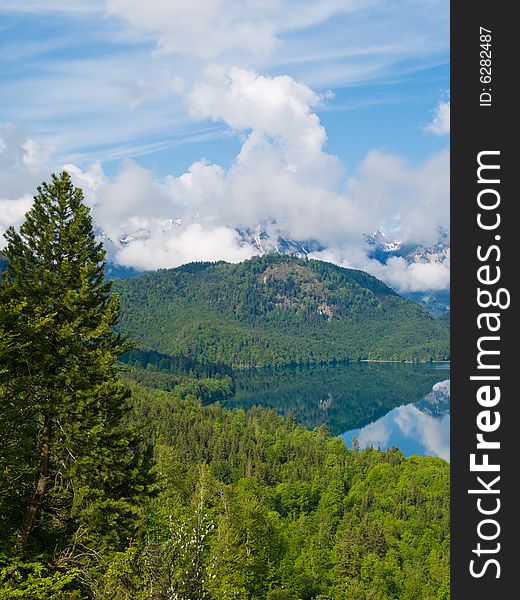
[{"x": 419, "y": 428}]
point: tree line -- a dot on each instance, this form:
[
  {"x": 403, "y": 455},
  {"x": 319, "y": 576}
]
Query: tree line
[
  {"x": 113, "y": 490},
  {"x": 276, "y": 310}
]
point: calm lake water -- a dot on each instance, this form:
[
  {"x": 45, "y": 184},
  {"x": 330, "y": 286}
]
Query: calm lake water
[{"x": 381, "y": 404}]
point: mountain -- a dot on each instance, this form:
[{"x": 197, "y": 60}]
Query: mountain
[
  {"x": 437, "y": 402},
  {"x": 382, "y": 248},
  {"x": 275, "y": 310},
  {"x": 268, "y": 242},
  {"x": 436, "y": 302},
  {"x": 113, "y": 271},
  {"x": 267, "y": 239}
]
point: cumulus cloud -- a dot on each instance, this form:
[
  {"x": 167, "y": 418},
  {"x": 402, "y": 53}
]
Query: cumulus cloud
[
  {"x": 396, "y": 272},
  {"x": 375, "y": 434},
  {"x": 413, "y": 277},
  {"x": 440, "y": 124},
  {"x": 192, "y": 243},
  {"x": 278, "y": 106},
  {"x": 279, "y": 112},
  {"x": 89, "y": 180},
  {"x": 411, "y": 202},
  {"x": 432, "y": 433},
  {"x": 12, "y": 212},
  {"x": 282, "y": 180},
  {"x": 23, "y": 163}
]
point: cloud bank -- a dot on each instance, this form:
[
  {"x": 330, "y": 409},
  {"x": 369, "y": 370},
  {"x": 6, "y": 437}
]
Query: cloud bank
[{"x": 282, "y": 181}]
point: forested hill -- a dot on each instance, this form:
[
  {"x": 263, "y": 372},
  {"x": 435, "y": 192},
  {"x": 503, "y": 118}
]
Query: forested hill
[{"x": 275, "y": 310}]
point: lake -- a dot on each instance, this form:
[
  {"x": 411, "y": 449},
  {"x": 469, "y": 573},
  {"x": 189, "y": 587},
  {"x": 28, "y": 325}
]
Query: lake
[{"x": 378, "y": 404}]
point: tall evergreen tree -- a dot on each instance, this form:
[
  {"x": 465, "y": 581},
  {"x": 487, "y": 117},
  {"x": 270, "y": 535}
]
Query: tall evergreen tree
[{"x": 68, "y": 467}]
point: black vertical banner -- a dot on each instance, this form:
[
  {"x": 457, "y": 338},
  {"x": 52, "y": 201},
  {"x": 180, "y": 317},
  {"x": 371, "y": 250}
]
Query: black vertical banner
[{"x": 484, "y": 439}]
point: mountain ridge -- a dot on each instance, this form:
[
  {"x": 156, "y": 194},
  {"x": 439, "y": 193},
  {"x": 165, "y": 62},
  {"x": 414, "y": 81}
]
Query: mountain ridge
[
  {"x": 274, "y": 310},
  {"x": 266, "y": 238}
]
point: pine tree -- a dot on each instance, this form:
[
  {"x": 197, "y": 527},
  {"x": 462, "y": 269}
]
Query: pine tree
[{"x": 61, "y": 400}]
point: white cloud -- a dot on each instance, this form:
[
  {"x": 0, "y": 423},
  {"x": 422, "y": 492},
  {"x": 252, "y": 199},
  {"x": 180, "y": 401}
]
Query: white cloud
[
  {"x": 279, "y": 112},
  {"x": 396, "y": 272},
  {"x": 432, "y": 433},
  {"x": 375, "y": 434},
  {"x": 214, "y": 29},
  {"x": 204, "y": 29},
  {"x": 35, "y": 154},
  {"x": 12, "y": 212},
  {"x": 89, "y": 181},
  {"x": 411, "y": 203},
  {"x": 440, "y": 124},
  {"x": 283, "y": 180},
  {"x": 135, "y": 192},
  {"x": 193, "y": 243},
  {"x": 23, "y": 165},
  {"x": 23, "y": 161},
  {"x": 413, "y": 277},
  {"x": 275, "y": 106}
]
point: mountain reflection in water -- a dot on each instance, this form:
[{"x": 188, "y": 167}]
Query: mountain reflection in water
[
  {"x": 382, "y": 404},
  {"x": 419, "y": 428}
]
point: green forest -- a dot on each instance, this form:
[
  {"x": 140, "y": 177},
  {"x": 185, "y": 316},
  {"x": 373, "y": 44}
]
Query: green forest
[
  {"x": 276, "y": 310},
  {"x": 124, "y": 482},
  {"x": 342, "y": 395}
]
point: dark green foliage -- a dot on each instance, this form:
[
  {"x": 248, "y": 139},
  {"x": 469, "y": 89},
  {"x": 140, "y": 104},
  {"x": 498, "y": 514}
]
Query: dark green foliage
[
  {"x": 238, "y": 505},
  {"x": 446, "y": 317},
  {"x": 207, "y": 389},
  {"x": 150, "y": 359},
  {"x": 275, "y": 310},
  {"x": 343, "y": 396},
  {"x": 69, "y": 472},
  {"x": 436, "y": 302},
  {"x": 253, "y": 506},
  {"x": 3, "y": 262}
]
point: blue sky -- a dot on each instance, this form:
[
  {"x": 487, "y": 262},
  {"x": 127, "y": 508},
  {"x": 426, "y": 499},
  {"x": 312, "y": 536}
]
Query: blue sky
[{"x": 325, "y": 96}]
